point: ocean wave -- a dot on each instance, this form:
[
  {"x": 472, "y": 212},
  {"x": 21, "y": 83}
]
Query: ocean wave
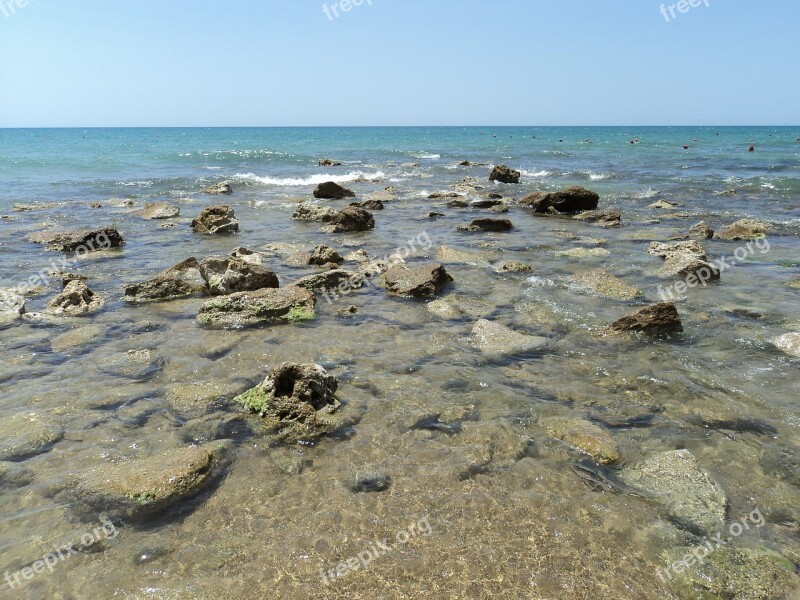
[
  {"x": 311, "y": 180},
  {"x": 426, "y": 156},
  {"x": 646, "y": 193},
  {"x": 536, "y": 174}
]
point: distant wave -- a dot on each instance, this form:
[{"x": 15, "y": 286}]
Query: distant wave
[
  {"x": 312, "y": 180},
  {"x": 537, "y": 174},
  {"x": 426, "y": 156}
]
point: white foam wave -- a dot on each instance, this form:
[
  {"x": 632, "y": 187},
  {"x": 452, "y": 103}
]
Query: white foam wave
[
  {"x": 312, "y": 180},
  {"x": 536, "y": 174},
  {"x": 426, "y": 156}
]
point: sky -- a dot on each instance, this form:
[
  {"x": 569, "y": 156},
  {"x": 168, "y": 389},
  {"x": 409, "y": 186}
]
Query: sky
[{"x": 137, "y": 63}]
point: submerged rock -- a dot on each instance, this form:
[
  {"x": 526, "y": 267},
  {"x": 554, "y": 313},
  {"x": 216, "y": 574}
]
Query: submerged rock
[
  {"x": 788, "y": 343},
  {"x": 327, "y": 162},
  {"x": 685, "y": 259},
  {"x": 14, "y": 476},
  {"x": 312, "y": 212},
  {"x": 507, "y": 266},
  {"x": 424, "y": 281},
  {"x": 227, "y": 275},
  {"x": 503, "y": 174},
  {"x": 184, "y": 280},
  {"x": 218, "y": 219},
  {"x": 584, "y": 436},
  {"x": 260, "y": 308},
  {"x": 488, "y": 225},
  {"x": 82, "y": 241},
  {"x": 223, "y": 188},
  {"x": 746, "y": 229},
  {"x": 443, "y": 309},
  {"x": 27, "y": 434},
  {"x": 79, "y": 338},
  {"x": 569, "y": 200},
  {"x": 663, "y": 204},
  {"x": 494, "y": 338},
  {"x": 137, "y": 365},
  {"x": 12, "y": 307},
  {"x": 158, "y": 210},
  {"x": 76, "y": 299},
  {"x": 677, "y": 481},
  {"x": 369, "y": 205},
  {"x": 701, "y": 231},
  {"x": 332, "y": 191},
  {"x": 606, "y": 218},
  {"x": 604, "y": 283},
  {"x": 658, "y": 319},
  {"x": 350, "y": 218},
  {"x": 296, "y": 400}
]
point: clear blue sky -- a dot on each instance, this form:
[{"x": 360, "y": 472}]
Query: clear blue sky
[{"x": 398, "y": 62}]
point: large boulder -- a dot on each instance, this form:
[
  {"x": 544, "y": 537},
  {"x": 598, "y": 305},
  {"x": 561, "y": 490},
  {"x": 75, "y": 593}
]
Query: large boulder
[
  {"x": 158, "y": 210},
  {"x": 416, "y": 282},
  {"x": 76, "y": 299},
  {"x": 494, "y": 338},
  {"x": 569, "y": 200},
  {"x": 503, "y": 174},
  {"x": 223, "y": 187},
  {"x": 312, "y": 212},
  {"x": 658, "y": 319},
  {"x": 12, "y": 306},
  {"x": 332, "y": 191},
  {"x": 585, "y": 436},
  {"x": 488, "y": 225},
  {"x": 684, "y": 259},
  {"x": 263, "y": 307},
  {"x": 81, "y": 241},
  {"x": 788, "y": 343},
  {"x": 746, "y": 229},
  {"x": 350, "y": 218},
  {"x": 227, "y": 275},
  {"x": 184, "y": 280},
  {"x": 296, "y": 400},
  {"x": 216, "y": 219}
]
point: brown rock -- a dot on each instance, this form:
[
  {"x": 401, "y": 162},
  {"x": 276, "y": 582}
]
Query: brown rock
[{"x": 657, "y": 319}]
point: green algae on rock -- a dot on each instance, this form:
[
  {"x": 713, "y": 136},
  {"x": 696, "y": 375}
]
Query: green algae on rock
[{"x": 260, "y": 308}]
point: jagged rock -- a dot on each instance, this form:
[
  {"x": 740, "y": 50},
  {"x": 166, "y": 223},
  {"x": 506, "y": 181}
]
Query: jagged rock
[
  {"x": 493, "y": 338},
  {"x": 224, "y": 187},
  {"x": 296, "y": 400},
  {"x": 181, "y": 281},
  {"x": 788, "y": 343},
  {"x": 12, "y": 306},
  {"x": 486, "y": 203},
  {"x": 27, "y": 434},
  {"x": 684, "y": 259},
  {"x": 260, "y": 308},
  {"x": 324, "y": 255},
  {"x": 512, "y": 267},
  {"x": 327, "y": 162},
  {"x": 657, "y": 319},
  {"x": 331, "y": 280},
  {"x": 584, "y": 436},
  {"x": 488, "y": 225},
  {"x": 701, "y": 231},
  {"x": 146, "y": 486},
  {"x": 67, "y": 277},
  {"x": 227, "y": 275},
  {"x": 605, "y": 284},
  {"x": 359, "y": 256},
  {"x": 746, "y": 229},
  {"x": 424, "y": 281},
  {"x": 603, "y": 218},
  {"x": 350, "y": 219},
  {"x": 311, "y": 212},
  {"x": 76, "y": 299},
  {"x": 249, "y": 256},
  {"x": 332, "y": 191},
  {"x": 677, "y": 481},
  {"x": 663, "y": 204},
  {"x": 216, "y": 219},
  {"x": 503, "y": 174},
  {"x": 85, "y": 240},
  {"x": 158, "y": 210},
  {"x": 569, "y": 200},
  {"x": 369, "y": 205},
  {"x": 458, "y": 203}
]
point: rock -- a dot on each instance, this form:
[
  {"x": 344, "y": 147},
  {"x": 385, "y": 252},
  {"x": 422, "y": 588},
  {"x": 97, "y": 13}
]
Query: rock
[
  {"x": 227, "y": 275},
  {"x": 79, "y": 337},
  {"x": 311, "y": 212},
  {"x": 788, "y": 343},
  {"x": 350, "y": 219},
  {"x": 324, "y": 255},
  {"x": 369, "y": 205},
  {"x": 260, "y": 308},
  {"x": 584, "y": 253},
  {"x": 701, "y": 231},
  {"x": 684, "y": 259},
  {"x": 359, "y": 256},
  {"x": 584, "y": 436},
  {"x": 82, "y": 241},
  {"x": 433, "y": 215},
  {"x": 486, "y": 203},
  {"x": 424, "y": 281},
  {"x": 503, "y": 174},
  {"x": 296, "y": 400},
  {"x": 332, "y": 191},
  {"x": 603, "y": 283},
  {"x": 347, "y": 312},
  {"x": 606, "y": 218},
  {"x": 184, "y": 280},
  {"x": 137, "y": 365},
  {"x": 657, "y": 319},
  {"x": 458, "y": 203},
  {"x": 216, "y": 219},
  {"x": 35, "y": 206},
  {"x": 493, "y": 338},
  {"x": 663, "y": 204},
  {"x": 488, "y": 225},
  {"x": 14, "y": 476},
  {"x": 12, "y": 307},
  {"x": 27, "y": 434},
  {"x": 746, "y": 229},
  {"x": 443, "y": 195},
  {"x": 443, "y": 309},
  {"x": 726, "y": 193},
  {"x": 146, "y": 486},
  {"x": 369, "y": 483},
  {"x": 676, "y": 480},
  {"x": 76, "y": 299},
  {"x": 382, "y": 196},
  {"x": 327, "y": 162},
  {"x": 224, "y": 187},
  {"x": 330, "y": 280},
  {"x": 512, "y": 267},
  {"x": 95, "y": 205},
  {"x": 569, "y": 200},
  {"x": 249, "y": 256},
  {"x": 67, "y": 277},
  {"x": 158, "y": 210}
]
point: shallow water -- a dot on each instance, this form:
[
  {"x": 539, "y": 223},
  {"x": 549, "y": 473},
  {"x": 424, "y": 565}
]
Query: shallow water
[{"x": 508, "y": 515}]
